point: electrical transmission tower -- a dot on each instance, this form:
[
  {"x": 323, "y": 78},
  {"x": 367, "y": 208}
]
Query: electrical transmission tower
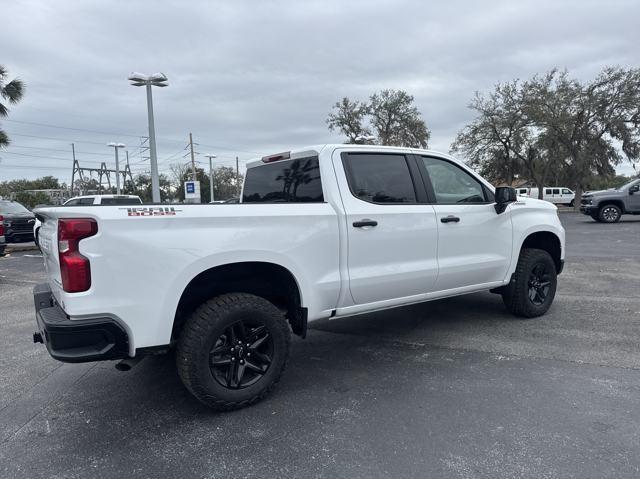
[{"x": 85, "y": 174}]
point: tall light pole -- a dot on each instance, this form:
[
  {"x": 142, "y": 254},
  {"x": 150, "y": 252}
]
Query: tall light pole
[
  {"x": 115, "y": 148},
  {"x": 157, "y": 79},
  {"x": 211, "y": 157}
]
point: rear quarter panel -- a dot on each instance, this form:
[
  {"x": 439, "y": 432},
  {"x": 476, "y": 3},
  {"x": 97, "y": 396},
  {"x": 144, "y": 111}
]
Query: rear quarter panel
[{"x": 140, "y": 265}]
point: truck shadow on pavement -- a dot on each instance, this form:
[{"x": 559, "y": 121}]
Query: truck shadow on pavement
[{"x": 153, "y": 388}]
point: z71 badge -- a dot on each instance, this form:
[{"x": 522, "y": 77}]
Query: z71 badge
[{"x": 152, "y": 211}]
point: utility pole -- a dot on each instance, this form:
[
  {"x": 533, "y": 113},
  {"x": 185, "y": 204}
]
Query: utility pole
[
  {"x": 237, "y": 176},
  {"x": 115, "y": 147},
  {"x": 193, "y": 159},
  {"x": 124, "y": 177},
  {"x": 211, "y": 157},
  {"x": 73, "y": 172}
]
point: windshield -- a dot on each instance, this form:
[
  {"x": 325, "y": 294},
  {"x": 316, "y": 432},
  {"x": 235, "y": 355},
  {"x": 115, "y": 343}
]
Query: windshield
[
  {"x": 12, "y": 207},
  {"x": 629, "y": 184}
]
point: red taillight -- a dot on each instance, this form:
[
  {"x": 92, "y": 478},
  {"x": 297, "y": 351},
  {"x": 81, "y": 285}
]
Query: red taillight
[
  {"x": 74, "y": 268},
  {"x": 1, "y": 225}
]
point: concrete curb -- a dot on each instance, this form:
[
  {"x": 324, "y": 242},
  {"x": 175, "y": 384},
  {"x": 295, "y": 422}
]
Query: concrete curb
[
  {"x": 567, "y": 210},
  {"x": 14, "y": 248}
]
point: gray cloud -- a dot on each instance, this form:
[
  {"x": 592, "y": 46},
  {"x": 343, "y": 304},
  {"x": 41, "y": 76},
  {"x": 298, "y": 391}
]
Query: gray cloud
[{"x": 257, "y": 77}]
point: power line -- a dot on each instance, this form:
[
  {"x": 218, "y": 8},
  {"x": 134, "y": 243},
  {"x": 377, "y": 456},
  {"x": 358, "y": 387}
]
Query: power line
[
  {"x": 58, "y": 149},
  {"x": 39, "y": 156},
  {"x": 70, "y": 128},
  {"x": 59, "y": 139},
  {"x": 31, "y": 167}
]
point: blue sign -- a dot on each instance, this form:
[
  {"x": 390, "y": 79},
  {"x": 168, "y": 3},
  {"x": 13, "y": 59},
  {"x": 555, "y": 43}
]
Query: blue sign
[{"x": 191, "y": 188}]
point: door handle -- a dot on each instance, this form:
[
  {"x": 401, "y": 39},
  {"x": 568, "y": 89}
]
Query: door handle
[
  {"x": 450, "y": 219},
  {"x": 364, "y": 222}
]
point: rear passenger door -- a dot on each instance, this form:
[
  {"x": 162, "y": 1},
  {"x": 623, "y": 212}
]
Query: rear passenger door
[
  {"x": 391, "y": 229},
  {"x": 474, "y": 242}
]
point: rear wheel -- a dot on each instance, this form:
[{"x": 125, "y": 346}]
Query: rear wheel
[
  {"x": 233, "y": 350},
  {"x": 610, "y": 214},
  {"x": 533, "y": 286}
]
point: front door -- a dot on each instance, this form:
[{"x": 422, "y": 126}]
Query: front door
[
  {"x": 391, "y": 228},
  {"x": 474, "y": 242}
]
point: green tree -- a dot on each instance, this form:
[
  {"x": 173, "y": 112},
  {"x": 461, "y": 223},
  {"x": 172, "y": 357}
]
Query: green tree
[
  {"x": 489, "y": 140},
  {"x": 348, "y": 117},
  {"x": 225, "y": 183},
  {"x": 12, "y": 92},
  {"x": 598, "y": 123},
  {"x": 142, "y": 188},
  {"x": 390, "y": 115},
  {"x": 396, "y": 120},
  {"x": 503, "y": 141}
]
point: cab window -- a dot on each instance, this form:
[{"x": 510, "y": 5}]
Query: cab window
[
  {"x": 451, "y": 184},
  {"x": 379, "y": 178}
]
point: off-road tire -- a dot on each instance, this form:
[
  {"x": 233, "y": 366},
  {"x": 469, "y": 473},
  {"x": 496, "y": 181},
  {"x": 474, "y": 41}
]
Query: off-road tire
[
  {"x": 204, "y": 328},
  {"x": 609, "y": 214},
  {"x": 516, "y": 294}
]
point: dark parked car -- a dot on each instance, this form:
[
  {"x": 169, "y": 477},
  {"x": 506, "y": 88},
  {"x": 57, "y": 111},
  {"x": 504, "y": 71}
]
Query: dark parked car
[{"x": 17, "y": 222}]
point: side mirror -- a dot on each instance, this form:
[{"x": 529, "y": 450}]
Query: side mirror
[
  {"x": 634, "y": 189},
  {"x": 504, "y": 195}
]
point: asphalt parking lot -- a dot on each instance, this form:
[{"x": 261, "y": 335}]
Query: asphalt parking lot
[{"x": 456, "y": 388}]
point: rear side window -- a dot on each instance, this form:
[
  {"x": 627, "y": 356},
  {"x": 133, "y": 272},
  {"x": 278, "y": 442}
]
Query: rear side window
[
  {"x": 290, "y": 181},
  {"x": 547, "y": 192},
  {"x": 556, "y": 191},
  {"x": 379, "y": 178},
  {"x": 120, "y": 201}
]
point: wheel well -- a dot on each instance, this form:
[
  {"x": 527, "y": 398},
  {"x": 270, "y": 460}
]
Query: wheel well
[
  {"x": 548, "y": 242},
  {"x": 617, "y": 203},
  {"x": 267, "y": 280}
]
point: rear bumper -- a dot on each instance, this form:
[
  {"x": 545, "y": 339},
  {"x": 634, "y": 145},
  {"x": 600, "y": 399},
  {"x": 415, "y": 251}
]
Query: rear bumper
[{"x": 77, "y": 340}]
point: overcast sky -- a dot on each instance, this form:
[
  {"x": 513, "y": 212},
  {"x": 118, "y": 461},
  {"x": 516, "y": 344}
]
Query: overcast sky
[{"x": 258, "y": 77}]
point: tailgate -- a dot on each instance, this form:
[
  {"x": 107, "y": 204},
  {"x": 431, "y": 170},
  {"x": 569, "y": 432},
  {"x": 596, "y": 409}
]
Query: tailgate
[{"x": 48, "y": 240}]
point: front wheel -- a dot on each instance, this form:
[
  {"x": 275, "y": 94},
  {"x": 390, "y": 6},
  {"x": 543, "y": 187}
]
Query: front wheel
[
  {"x": 533, "y": 286},
  {"x": 610, "y": 214},
  {"x": 233, "y": 350}
]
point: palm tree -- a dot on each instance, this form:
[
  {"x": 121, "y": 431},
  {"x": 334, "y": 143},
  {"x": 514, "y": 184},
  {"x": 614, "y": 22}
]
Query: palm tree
[{"x": 12, "y": 93}]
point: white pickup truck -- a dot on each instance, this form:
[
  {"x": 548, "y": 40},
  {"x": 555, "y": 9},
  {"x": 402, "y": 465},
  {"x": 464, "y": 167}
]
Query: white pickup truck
[{"x": 323, "y": 232}]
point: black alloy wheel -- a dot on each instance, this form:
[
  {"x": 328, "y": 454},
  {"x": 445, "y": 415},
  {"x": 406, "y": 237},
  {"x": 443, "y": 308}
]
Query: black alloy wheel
[
  {"x": 539, "y": 283},
  {"x": 242, "y": 354},
  {"x": 232, "y": 350}
]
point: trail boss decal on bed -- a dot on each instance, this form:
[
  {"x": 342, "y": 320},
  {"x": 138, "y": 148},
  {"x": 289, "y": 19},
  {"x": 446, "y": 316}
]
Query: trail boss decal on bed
[{"x": 151, "y": 211}]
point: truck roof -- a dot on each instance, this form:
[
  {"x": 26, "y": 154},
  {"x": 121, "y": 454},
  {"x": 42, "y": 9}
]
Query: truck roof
[{"x": 314, "y": 150}]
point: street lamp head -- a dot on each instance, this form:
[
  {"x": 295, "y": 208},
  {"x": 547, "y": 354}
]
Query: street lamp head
[
  {"x": 116, "y": 145},
  {"x": 140, "y": 79},
  {"x": 158, "y": 77},
  {"x": 210, "y": 156}
]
